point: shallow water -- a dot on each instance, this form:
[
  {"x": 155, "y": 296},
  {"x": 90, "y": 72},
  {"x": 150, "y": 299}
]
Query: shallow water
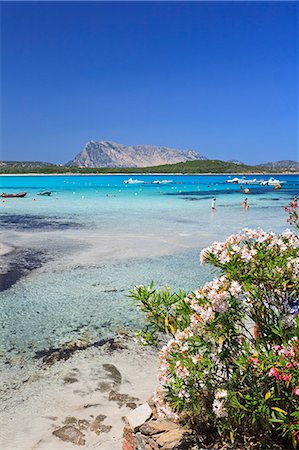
[{"x": 99, "y": 237}]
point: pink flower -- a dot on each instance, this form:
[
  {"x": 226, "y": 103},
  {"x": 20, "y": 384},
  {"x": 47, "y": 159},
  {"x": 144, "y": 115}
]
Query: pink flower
[
  {"x": 286, "y": 378},
  {"x": 253, "y": 360},
  {"x": 296, "y": 391},
  {"x": 274, "y": 373},
  {"x": 277, "y": 347}
]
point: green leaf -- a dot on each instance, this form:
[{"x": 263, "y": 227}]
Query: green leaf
[
  {"x": 232, "y": 438},
  {"x": 268, "y": 395},
  {"x": 294, "y": 441}
]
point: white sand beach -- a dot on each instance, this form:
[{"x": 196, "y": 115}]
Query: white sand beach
[{"x": 85, "y": 397}]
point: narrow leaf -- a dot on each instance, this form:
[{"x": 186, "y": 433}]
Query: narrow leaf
[
  {"x": 231, "y": 435},
  {"x": 279, "y": 410},
  {"x": 268, "y": 395}
]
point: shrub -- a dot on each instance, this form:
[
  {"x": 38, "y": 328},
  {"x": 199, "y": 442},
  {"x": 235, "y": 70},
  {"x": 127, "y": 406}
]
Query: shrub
[
  {"x": 234, "y": 368},
  {"x": 165, "y": 312}
]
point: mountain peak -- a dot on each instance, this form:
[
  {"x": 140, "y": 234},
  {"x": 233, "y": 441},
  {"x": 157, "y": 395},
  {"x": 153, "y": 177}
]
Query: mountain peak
[{"x": 113, "y": 154}]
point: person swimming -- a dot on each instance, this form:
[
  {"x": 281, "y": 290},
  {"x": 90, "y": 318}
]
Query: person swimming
[{"x": 244, "y": 203}]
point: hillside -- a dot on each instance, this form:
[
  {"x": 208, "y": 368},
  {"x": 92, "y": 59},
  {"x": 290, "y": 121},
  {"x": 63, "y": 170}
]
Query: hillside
[
  {"x": 26, "y": 164},
  {"x": 111, "y": 154},
  {"x": 197, "y": 166},
  {"x": 203, "y": 166},
  {"x": 287, "y": 165},
  {"x": 19, "y": 167}
]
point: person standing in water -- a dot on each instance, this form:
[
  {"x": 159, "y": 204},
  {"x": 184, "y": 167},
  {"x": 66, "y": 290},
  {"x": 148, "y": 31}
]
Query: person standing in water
[
  {"x": 213, "y": 206},
  {"x": 244, "y": 203}
]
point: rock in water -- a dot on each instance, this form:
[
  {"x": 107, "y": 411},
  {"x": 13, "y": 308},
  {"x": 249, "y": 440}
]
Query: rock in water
[{"x": 71, "y": 434}]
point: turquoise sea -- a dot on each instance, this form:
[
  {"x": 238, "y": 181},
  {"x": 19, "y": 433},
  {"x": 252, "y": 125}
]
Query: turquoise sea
[{"x": 75, "y": 255}]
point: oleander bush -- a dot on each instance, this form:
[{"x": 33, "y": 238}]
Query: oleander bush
[
  {"x": 232, "y": 364},
  {"x": 165, "y": 312},
  {"x": 292, "y": 210}
]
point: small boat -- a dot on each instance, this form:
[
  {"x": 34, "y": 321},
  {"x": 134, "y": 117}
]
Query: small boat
[
  {"x": 233, "y": 181},
  {"x": 131, "y": 181},
  {"x": 18, "y": 195},
  {"x": 162, "y": 181},
  {"x": 272, "y": 182},
  {"x": 242, "y": 181},
  {"x": 46, "y": 193},
  {"x": 254, "y": 181}
]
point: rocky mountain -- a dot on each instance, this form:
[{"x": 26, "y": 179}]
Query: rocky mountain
[
  {"x": 287, "y": 165},
  {"x": 235, "y": 161},
  {"x": 112, "y": 154}
]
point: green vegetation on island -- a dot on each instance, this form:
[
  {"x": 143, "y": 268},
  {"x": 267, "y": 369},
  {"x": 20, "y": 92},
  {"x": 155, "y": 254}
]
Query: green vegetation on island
[{"x": 197, "y": 166}]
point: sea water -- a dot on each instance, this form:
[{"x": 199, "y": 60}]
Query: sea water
[{"x": 95, "y": 238}]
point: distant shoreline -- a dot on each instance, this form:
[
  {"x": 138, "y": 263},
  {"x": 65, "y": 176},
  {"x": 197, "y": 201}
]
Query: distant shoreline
[{"x": 144, "y": 174}]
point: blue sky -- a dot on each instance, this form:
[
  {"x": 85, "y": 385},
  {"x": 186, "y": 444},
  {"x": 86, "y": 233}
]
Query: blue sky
[{"x": 220, "y": 78}]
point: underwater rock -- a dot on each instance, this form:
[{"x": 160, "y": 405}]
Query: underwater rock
[
  {"x": 121, "y": 399},
  {"x": 70, "y": 380},
  {"x": 70, "y": 433},
  {"x": 98, "y": 427},
  {"x": 113, "y": 373}
]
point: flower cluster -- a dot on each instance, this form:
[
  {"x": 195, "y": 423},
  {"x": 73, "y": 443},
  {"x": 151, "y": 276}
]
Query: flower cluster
[
  {"x": 219, "y": 403},
  {"x": 264, "y": 263},
  {"x": 213, "y": 298},
  {"x": 292, "y": 210},
  {"x": 248, "y": 247},
  {"x": 194, "y": 353},
  {"x": 287, "y": 364}
]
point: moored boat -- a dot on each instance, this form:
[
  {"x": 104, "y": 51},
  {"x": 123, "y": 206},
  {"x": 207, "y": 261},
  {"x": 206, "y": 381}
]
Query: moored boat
[
  {"x": 272, "y": 182},
  {"x": 46, "y": 193},
  {"x": 242, "y": 181},
  {"x": 15, "y": 195},
  {"x": 131, "y": 181},
  {"x": 253, "y": 181},
  {"x": 162, "y": 181},
  {"x": 233, "y": 181}
]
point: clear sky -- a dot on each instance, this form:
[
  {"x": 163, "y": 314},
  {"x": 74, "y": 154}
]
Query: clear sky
[{"x": 220, "y": 78}]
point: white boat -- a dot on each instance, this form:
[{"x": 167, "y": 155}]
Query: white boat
[
  {"x": 162, "y": 181},
  {"x": 233, "y": 181},
  {"x": 242, "y": 181},
  {"x": 131, "y": 181},
  {"x": 272, "y": 182},
  {"x": 245, "y": 181}
]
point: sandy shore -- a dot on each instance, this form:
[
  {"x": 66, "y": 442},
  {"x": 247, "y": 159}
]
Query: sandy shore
[{"x": 83, "y": 399}]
